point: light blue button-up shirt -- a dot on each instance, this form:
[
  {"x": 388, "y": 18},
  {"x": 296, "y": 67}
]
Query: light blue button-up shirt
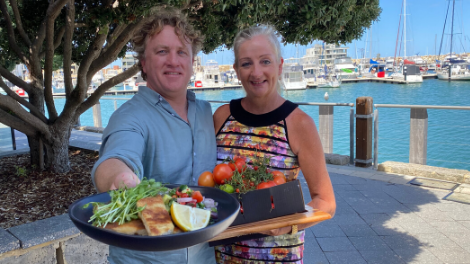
[{"x": 150, "y": 137}]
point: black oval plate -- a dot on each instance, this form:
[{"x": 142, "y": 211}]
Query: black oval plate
[{"x": 227, "y": 207}]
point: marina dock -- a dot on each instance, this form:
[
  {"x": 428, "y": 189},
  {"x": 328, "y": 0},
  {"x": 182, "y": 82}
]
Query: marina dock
[{"x": 309, "y": 86}]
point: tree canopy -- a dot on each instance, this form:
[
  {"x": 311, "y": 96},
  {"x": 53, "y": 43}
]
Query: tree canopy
[{"x": 93, "y": 33}]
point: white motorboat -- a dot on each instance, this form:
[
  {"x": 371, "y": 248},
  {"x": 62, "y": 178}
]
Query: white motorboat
[
  {"x": 325, "y": 83},
  {"x": 409, "y": 72},
  {"x": 210, "y": 77},
  {"x": 293, "y": 76},
  {"x": 455, "y": 70},
  {"x": 345, "y": 69}
]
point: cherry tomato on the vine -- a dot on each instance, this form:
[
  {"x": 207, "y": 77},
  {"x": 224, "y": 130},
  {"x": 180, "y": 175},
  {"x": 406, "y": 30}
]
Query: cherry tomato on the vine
[
  {"x": 240, "y": 164},
  {"x": 279, "y": 180},
  {"x": 265, "y": 185},
  {"x": 222, "y": 172},
  {"x": 206, "y": 179},
  {"x": 278, "y": 173}
]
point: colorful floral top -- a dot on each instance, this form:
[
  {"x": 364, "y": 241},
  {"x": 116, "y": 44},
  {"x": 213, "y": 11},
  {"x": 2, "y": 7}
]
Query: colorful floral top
[{"x": 248, "y": 135}]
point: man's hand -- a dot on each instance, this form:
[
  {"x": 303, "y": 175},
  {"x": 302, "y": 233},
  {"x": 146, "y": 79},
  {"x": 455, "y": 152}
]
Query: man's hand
[
  {"x": 125, "y": 179},
  {"x": 113, "y": 174}
]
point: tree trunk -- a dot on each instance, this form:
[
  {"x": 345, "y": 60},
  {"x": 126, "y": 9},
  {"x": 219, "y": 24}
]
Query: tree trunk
[
  {"x": 36, "y": 98},
  {"x": 57, "y": 153}
]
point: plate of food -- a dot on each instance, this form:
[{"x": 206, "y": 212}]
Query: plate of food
[{"x": 155, "y": 217}]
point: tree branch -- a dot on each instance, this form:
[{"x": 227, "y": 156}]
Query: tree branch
[
  {"x": 11, "y": 33},
  {"x": 19, "y": 24},
  {"x": 10, "y": 104},
  {"x": 69, "y": 29},
  {"x": 110, "y": 54},
  {"x": 15, "y": 80},
  {"x": 57, "y": 41},
  {"x": 22, "y": 101},
  {"x": 16, "y": 123},
  {"x": 112, "y": 37},
  {"x": 95, "y": 96}
]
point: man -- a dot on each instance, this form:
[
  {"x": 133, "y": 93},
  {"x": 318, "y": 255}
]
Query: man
[{"x": 163, "y": 132}]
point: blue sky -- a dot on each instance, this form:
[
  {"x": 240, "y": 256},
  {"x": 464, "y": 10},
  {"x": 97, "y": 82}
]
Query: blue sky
[{"x": 425, "y": 21}]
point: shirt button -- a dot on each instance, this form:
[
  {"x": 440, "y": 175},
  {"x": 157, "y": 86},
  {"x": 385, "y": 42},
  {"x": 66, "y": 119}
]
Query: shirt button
[
  {"x": 194, "y": 153},
  {"x": 194, "y": 179}
]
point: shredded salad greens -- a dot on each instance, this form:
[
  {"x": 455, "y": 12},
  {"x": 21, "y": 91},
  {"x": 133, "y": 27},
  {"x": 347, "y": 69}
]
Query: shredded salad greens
[{"x": 122, "y": 207}]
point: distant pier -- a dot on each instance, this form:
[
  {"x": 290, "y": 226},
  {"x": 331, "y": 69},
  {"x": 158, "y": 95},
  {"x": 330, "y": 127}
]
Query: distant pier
[{"x": 213, "y": 88}]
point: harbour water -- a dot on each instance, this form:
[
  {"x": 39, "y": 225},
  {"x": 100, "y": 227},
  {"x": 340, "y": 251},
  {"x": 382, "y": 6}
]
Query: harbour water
[{"x": 448, "y": 130}]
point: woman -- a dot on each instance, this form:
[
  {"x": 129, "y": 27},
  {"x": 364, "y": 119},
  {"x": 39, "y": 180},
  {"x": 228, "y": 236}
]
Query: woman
[{"x": 265, "y": 124}]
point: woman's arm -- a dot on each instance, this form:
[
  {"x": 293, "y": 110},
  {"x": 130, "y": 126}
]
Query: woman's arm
[
  {"x": 305, "y": 143},
  {"x": 220, "y": 115}
]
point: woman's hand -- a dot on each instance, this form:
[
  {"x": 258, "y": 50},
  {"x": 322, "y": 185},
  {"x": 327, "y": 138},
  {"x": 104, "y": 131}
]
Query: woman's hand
[{"x": 278, "y": 231}]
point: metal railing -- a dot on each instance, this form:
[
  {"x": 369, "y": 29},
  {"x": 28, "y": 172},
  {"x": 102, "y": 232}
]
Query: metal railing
[
  {"x": 325, "y": 121},
  {"x": 418, "y": 141}
]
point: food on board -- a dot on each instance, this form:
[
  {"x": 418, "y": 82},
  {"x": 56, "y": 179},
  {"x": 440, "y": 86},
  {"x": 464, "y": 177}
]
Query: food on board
[
  {"x": 189, "y": 218},
  {"x": 145, "y": 210},
  {"x": 236, "y": 175},
  {"x": 156, "y": 219},
  {"x": 134, "y": 227}
]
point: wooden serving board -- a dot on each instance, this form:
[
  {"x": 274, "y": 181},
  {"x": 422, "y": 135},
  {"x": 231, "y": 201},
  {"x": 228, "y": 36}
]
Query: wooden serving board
[{"x": 310, "y": 216}]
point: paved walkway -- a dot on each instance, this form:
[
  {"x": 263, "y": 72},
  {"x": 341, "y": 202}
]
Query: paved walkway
[{"x": 380, "y": 218}]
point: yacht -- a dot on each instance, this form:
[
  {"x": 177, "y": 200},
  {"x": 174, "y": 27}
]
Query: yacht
[
  {"x": 210, "y": 77},
  {"x": 293, "y": 76},
  {"x": 344, "y": 68},
  {"x": 455, "y": 70}
]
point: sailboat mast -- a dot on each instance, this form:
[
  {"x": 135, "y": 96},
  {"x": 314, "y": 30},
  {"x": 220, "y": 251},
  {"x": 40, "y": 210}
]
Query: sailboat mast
[
  {"x": 452, "y": 29},
  {"x": 404, "y": 30}
]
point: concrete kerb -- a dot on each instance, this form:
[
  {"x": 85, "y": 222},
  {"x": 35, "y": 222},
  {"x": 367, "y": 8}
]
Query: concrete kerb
[
  {"x": 425, "y": 171},
  {"x": 52, "y": 240}
]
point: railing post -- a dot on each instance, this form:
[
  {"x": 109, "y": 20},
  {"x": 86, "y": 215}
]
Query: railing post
[
  {"x": 418, "y": 135},
  {"x": 376, "y": 138},
  {"x": 115, "y": 104},
  {"x": 364, "y": 131},
  {"x": 97, "y": 115},
  {"x": 326, "y": 127},
  {"x": 351, "y": 136}
]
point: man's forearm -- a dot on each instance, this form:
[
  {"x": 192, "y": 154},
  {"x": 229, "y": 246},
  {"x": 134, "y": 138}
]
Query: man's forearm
[{"x": 107, "y": 173}]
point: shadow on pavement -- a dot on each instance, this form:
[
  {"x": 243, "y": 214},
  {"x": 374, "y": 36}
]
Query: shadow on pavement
[{"x": 380, "y": 222}]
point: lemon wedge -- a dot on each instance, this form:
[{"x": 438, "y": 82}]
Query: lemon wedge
[{"x": 189, "y": 218}]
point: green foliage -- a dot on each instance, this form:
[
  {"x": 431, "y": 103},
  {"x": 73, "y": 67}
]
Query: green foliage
[
  {"x": 333, "y": 21},
  {"x": 123, "y": 205},
  {"x": 21, "y": 171}
]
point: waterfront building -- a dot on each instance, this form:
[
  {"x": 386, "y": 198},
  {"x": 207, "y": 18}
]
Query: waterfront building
[
  {"x": 128, "y": 61},
  {"x": 326, "y": 53}
]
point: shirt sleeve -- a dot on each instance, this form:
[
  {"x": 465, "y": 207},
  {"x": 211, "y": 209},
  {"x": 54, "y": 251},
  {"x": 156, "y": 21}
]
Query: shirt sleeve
[{"x": 123, "y": 139}]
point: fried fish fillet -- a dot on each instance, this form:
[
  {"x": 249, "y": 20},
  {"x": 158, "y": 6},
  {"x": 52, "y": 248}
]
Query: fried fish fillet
[
  {"x": 156, "y": 219},
  {"x": 134, "y": 227}
]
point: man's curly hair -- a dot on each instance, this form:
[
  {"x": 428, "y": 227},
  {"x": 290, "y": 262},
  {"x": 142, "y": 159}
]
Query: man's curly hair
[{"x": 166, "y": 17}]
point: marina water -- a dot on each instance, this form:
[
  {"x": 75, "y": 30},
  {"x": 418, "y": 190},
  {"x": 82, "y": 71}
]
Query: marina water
[{"x": 448, "y": 130}]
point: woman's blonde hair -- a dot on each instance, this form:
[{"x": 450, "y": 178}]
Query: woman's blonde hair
[
  {"x": 261, "y": 30},
  {"x": 267, "y": 31},
  {"x": 166, "y": 17}
]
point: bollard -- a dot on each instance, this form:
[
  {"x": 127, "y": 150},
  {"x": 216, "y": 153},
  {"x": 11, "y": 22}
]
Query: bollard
[
  {"x": 97, "y": 115},
  {"x": 326, "y": 127},
  {"x": 364, "y": 131},
  {"x": 418, "y": 136}
]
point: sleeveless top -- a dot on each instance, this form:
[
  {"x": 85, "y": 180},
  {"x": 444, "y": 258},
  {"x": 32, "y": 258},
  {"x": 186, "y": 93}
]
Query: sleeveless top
[
  {"x": 248, "y": 135},
  {"x": 245, "y": 134}
]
